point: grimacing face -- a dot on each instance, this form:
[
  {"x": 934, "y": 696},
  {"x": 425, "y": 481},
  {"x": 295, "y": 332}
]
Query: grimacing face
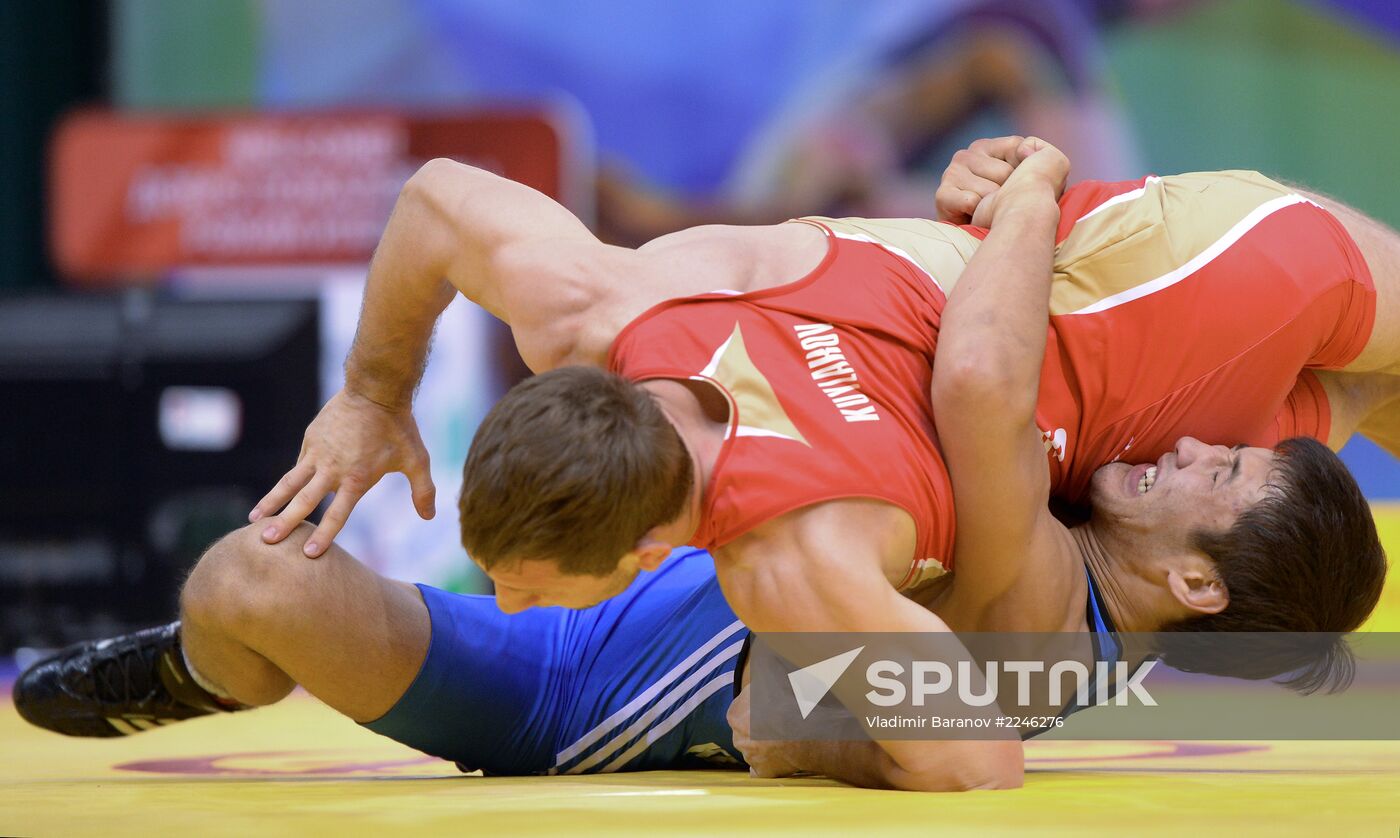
[
  {"x": 1196, "y": 486},
  {"x": 539, "y": 583}
]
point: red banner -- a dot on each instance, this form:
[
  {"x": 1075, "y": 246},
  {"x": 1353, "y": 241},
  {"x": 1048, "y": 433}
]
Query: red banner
[{"x": 133, "y": 197}]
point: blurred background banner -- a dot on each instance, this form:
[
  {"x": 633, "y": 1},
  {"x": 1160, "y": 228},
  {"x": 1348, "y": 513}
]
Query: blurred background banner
[
  {"x": 702, "y": 114},
  {"x": 167, "y": 163},
  {"x": 137, "y": 196}
]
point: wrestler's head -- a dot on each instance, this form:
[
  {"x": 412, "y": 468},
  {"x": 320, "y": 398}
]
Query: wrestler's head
[
  {"x": 568, "y": 476},
  {"x": 1248, "y": 540}
]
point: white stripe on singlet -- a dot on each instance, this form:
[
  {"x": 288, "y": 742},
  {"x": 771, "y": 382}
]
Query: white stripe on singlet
[
  {"x": 1202, "y": 259},
  {"x": 662, "y": 704},
  {"x": 675, "y": 673}
]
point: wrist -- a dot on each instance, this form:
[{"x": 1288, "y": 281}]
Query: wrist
[
  {"x": 1030, "y": 192},
  {"x": 362, "y": 384},
  {"x": 1029, "y": 204}
]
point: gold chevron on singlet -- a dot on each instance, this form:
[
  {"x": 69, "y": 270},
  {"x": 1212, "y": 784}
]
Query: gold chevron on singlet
[{"x": 760, "y": 412}]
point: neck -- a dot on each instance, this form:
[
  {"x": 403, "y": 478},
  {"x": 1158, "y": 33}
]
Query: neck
[
  {"x": 703, "y": 438},
  {"x": 1122, "y": 591}
]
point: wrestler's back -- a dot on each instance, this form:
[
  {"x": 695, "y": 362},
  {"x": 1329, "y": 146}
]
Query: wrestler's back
[{"x": 698, "y": 260}]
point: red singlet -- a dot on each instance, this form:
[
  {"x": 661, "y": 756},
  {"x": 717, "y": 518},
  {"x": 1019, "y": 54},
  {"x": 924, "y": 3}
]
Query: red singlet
[
  {"x": 827, "y": 380},
  {"x": 1184, "y": 305}
]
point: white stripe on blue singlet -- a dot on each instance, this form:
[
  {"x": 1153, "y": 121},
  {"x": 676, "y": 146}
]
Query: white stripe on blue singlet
[
  {"x": 674, "y": 674},
  {"x": 722, "y": 681},
  {"x": 663, "y": 703}
]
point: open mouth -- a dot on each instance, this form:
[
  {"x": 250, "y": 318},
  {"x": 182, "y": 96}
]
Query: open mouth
[{"x": 1140, "y": 479}]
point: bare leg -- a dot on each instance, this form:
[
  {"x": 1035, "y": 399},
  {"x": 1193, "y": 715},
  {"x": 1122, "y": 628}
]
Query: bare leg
[
  {"x": 1382, "y": 426},
  {"x": 1380, "y": 247},
  {"x": 1368, "y": 403},
  {"x": 259, "y": 619}
]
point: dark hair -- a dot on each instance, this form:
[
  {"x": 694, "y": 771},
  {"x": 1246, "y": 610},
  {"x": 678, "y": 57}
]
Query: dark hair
[
  {"x": 574, "y": 465},
  {"x": 1304, "y": 560}
]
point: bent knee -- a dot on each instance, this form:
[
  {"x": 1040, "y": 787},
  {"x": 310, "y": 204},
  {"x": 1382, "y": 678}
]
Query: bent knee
[{"x": 240, "y": 577}]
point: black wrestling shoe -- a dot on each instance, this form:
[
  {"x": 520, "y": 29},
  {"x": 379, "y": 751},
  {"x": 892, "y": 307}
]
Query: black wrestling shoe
[{"x": 114, "y": 687}]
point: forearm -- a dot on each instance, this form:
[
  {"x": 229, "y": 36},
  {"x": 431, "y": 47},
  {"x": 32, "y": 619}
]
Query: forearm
[
  {"x": 857, "y": 605},
  {"x": 447, "y": 229},
  {"x": 992, "y": 334},
  {"x": 928, "y": 764},
  {"x": 405, "y": 294}
]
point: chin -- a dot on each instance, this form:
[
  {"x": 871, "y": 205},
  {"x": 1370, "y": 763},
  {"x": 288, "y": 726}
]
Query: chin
[
  {"x": 1106, "y": 498},
  {"x": 1102, "y": 483}
]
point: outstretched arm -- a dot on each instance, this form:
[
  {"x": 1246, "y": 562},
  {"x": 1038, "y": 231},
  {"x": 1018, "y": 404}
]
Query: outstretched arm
[{"x": 454, "y": 228}]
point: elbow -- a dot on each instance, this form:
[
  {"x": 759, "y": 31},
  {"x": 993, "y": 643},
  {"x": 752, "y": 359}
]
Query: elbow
[
  {"x": 964, "y": 766},
  {"x": 435, "y": 171},
  {"x": 430, "y": 176},
  {"x": 975, "y": 386},
  {"x": 440, "y": 182}
]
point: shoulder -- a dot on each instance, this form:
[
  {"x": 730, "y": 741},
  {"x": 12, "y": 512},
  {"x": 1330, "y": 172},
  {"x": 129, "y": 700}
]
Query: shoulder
[
  {"x": 568, "y": 298},
  {"x": 737, "y": 258}
]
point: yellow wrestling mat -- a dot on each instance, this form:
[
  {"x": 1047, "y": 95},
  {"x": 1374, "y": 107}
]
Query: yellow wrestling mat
[{"x": 301, "y": 769}]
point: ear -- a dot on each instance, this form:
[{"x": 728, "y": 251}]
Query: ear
[
  {"x": 1198, "y": 589},
  {"x": 651, "y": 551}
]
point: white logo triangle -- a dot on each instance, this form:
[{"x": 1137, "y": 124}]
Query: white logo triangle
[{"x": 810, "y": 684}]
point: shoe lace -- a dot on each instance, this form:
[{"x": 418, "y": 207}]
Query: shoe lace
[{"x": 128, "y": 678}]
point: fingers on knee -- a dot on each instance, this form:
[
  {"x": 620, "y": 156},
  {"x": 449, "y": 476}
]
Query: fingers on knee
[{"x": 240, "y": 577}]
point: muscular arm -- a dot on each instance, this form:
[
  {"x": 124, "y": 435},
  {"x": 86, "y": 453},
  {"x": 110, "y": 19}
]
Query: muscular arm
[
  {"x": 454, "y": 228},
  {"x": 1365, "y": 402},
  {"x": 986, "y": 379},
  {"x": 818, "y": 571},
  {"x": 506, "y": 247}
]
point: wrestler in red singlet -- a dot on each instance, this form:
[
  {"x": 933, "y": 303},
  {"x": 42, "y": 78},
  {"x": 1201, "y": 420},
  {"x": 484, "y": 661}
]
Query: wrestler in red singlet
[
  {"x": 827, "y": 380},
  {"x": 1188, "y": 305},
  {"x": 1181, "y": 306}
]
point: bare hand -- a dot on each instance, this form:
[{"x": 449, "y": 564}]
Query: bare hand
[
  {"x": 967, "y": 192},
  {"x": 1040, "y": 176},
  {"x": 974, "y": 174},
  {"x": 348, "y": 447},
  {"x": 765, "y": 758}
]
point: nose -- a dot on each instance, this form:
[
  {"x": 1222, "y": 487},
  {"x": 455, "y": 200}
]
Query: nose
[{"x": 1190, "y": 450}]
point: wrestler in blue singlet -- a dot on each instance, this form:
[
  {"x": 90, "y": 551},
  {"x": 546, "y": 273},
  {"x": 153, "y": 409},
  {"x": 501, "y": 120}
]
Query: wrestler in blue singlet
[{"x": 640, "y": 682}]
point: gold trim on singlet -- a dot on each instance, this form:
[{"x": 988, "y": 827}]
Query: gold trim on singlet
[
  {"x": 1144, "y": 241},
  {"x": 939, "y": 250},
  {"x": 1130, "y": 246}
]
